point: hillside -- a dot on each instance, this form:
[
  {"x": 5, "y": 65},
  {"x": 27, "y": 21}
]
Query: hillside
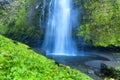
[{"x": 19, "y": 62}]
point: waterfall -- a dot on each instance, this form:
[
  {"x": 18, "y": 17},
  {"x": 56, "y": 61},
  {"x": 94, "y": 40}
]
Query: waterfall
[
  {"x": 42, "y": 15},
  {"x": 58, "y": 38}
]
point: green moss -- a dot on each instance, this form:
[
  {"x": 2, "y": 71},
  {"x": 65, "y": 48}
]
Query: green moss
[
  {"x": 101, "y": 23},
  {"x": 18, "y": 62}
]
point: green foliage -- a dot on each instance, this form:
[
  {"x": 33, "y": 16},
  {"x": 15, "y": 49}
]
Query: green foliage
[
  {"x": 101, "y": 23},
  {"x": 17, "y": 22},
  {"x": 18, "y": 62},
  {"x": 3, "y": 28}
]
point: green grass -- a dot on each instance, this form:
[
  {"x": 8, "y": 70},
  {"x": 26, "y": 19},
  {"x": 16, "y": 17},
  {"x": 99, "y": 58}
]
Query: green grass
[{"x": 18, "y": 62}]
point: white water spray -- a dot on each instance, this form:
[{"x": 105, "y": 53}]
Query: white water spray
[{"x": 58, "y": 38}]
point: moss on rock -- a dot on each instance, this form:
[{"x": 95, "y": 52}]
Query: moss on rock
[{"x": 111, "y": 69}]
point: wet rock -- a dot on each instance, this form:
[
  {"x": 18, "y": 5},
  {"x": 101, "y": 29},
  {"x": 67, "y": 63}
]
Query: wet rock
[
  {"x": 90, "y": 71},
  {"x": 111, "y": 69},
  {"x": 42, "y": 52},
  {"x": 94, "y": 64},
  {"x": 4, "y": 3}
]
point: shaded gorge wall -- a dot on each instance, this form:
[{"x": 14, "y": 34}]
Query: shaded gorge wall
[
  {"x": 97, "y": 25},
  {"x": 19, "y": 20}
]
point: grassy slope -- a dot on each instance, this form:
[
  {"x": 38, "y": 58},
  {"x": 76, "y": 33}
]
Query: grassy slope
[{"x": 18, "y": 62}]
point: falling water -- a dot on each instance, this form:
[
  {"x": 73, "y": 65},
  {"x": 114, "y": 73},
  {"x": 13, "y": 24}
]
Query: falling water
[
  {"x": 58, "y": 38},
  {"x": 42, "y": 16}
]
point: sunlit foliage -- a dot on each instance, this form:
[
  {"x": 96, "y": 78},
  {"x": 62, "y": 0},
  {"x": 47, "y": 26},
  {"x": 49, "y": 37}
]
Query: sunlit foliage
[
  {"x": 101, "y": 22},
  {"x": 19, "y": 62}
]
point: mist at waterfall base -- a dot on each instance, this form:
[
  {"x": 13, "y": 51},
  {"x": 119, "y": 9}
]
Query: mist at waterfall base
[{"x": 58, "y": 39}]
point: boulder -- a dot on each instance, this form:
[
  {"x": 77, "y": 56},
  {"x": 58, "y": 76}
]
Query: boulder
[
  {"x": 4, "y": 3},
  {"x": 111, "y": 69},
  {"x": 40, "y": 51}
]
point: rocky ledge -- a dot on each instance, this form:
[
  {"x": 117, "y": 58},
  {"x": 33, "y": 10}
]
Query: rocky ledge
[{"x": 111, "y": 69}]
